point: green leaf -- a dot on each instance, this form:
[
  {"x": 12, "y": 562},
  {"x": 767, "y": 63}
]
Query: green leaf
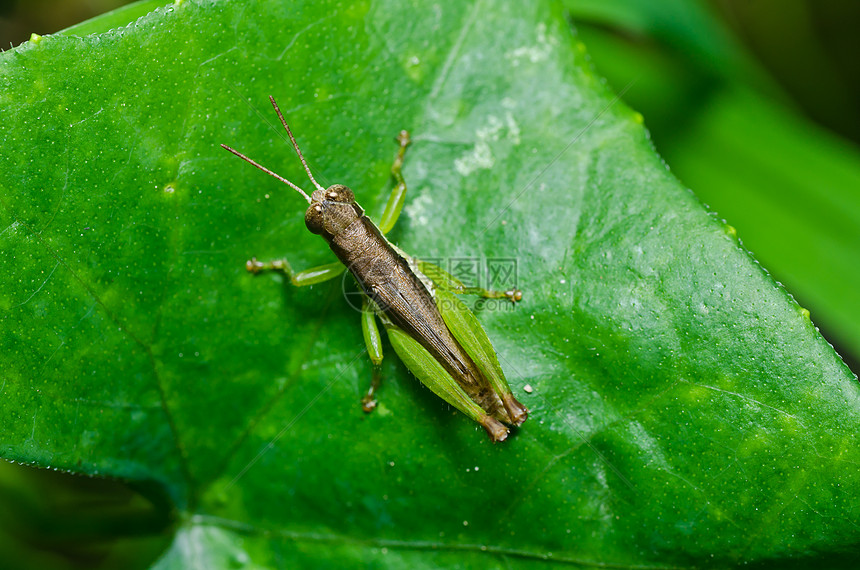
[{"x": 684, "y": 410}]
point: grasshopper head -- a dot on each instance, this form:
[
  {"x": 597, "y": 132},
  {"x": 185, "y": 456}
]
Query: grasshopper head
[{"x": 332, "y": 210}]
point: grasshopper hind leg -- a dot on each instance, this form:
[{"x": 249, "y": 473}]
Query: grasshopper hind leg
[{"x": 494, "y": 428}]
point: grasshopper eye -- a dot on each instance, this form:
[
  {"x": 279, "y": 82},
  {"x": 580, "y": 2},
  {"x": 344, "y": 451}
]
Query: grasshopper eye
[
  {"x": 314, "y": 219},
  {"x": 339, "y": 193}
]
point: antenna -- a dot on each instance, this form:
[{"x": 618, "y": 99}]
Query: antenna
[
  {"x": 296, "y": 146},
  {"x": 269, "y": 172}
]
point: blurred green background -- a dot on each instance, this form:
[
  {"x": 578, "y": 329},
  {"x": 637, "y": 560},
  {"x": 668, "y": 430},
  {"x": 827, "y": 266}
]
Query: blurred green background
[
  {"x": 20, "y": 18},
  {"x": 752, "y": 103},
  {"x": 754, "y": 106}
]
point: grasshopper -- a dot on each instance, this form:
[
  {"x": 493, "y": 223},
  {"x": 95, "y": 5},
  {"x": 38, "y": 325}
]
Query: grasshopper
[{"x": 438, "y": 338}]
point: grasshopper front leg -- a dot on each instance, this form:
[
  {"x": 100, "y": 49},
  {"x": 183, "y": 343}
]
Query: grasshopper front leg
[
  {"x": 304, "y": 278},
  {"x": 395, "y": 201},
  {"x": 442, "y": 278},
  {"x": 320, "y": 274}
]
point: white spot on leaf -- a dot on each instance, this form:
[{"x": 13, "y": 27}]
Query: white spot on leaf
[
  {"x": 417, "y": 209},
  {"x": 481, "y": 155},
  {"x": 533, "y": 53}
]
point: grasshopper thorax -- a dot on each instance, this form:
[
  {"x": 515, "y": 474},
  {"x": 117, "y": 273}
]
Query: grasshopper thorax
[{"x": 332, "y": 210}]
